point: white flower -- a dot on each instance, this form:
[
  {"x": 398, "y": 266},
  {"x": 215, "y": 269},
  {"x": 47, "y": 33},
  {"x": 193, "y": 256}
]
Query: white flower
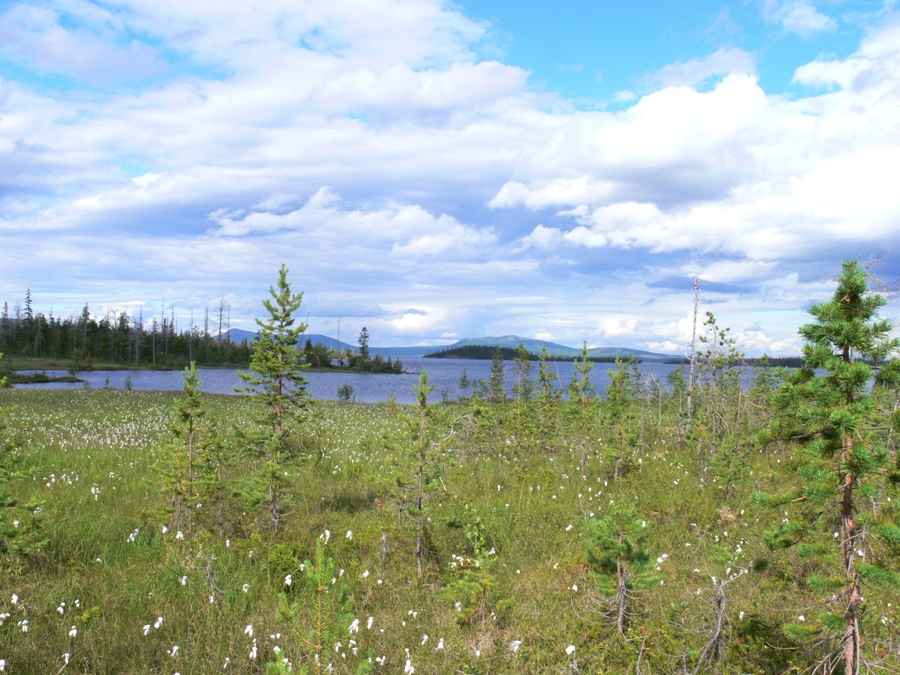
[
  {"x": 249, "y": 630},
  {"x": 165, "y": 529},
  {"x": 408, "y": 668},
  {"x": 440, "y": 645},
  {"x": 2, "y": 664},
  {"x": 424, "y": 638},
  {"x": 179, "y": 535},
  {"x": 253, "y": 651},
  {"x": 801, "y": 618},
  {"x": 174, "y": 650},
  {"x": 73, "y": 632},
  {"x": 354, "y": 627},
  {"x": 14, "y": 599},
  {"x": 287, "y": 580},
  {"x": 184, "y": 580},
  {"x": 147, "y": 629},
  {"x": 349, "y": 534},
  {"x": 369, "y": 622},
  {"x": 158, "y": 623},
  {"x": 570, "y": 650},
  {"x": 365, "y": 574},
  {"x": 568, "y": 528},
  {"x": 245, "y": 587},
  {"x": 514, "y": 646}
]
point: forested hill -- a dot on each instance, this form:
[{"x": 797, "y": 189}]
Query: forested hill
[
  {"x": 488, "y": 352},
  {"x": 557, "y": 350}
]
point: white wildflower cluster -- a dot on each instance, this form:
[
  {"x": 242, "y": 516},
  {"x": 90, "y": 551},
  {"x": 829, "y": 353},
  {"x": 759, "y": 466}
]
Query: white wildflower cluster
[
  {"x": 463, "y": 562},
  {"x": 156, "y": 625}
]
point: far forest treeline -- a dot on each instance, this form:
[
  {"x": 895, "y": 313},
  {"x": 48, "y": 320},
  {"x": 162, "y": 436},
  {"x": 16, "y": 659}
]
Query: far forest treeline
[
  {"x": 757, "y": 362},
  {"x": 488, "y": 353},
  {"x": 120, "y": 338}
]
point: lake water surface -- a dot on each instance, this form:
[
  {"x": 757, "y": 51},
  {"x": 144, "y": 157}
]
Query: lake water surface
[{"x": 444, "y": 374}]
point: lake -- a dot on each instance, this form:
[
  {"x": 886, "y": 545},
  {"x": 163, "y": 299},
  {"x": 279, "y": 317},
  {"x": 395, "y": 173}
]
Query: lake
[{"x": 444, "y": 374}]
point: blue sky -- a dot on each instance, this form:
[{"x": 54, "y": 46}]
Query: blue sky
[{"x": 436, "y": 170}]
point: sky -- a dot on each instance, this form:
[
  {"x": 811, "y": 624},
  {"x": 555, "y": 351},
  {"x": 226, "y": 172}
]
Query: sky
[{"x": 560, "y": 170}]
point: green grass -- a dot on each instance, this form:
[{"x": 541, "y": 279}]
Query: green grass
[{"x": 531, "y": 505}]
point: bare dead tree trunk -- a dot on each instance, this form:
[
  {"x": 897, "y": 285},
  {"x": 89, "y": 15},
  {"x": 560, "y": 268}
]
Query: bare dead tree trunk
[
  {"x": 621, "y": 598},
  {"x": 690, "y": 401}
]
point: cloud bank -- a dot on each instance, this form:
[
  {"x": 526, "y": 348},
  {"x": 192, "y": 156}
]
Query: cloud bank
[{"x": 383, "y": 152}]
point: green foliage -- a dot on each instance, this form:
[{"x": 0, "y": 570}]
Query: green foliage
[
  {"x": 278, "y": 389},
  {"x": 276, "y": 381},
  {"x": 497, "y": 381},
  {"x": 326, "y": 621},
  {"x": 617, "y": 553},
  {"x": 836, "y": 418},
  {"x": 548, "y": 396},
  {"x": 618, "y": 413},
  {"x": 179, "y": 457},
  {"x": 616, "y": 546},
  {"x": 19, "y": 522},
  {"x": 583, "y": 404},
  {"x": 473, "y": 589}
]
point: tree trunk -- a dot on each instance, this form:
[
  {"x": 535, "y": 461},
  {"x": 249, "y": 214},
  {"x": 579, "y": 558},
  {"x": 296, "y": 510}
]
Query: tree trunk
[
  {"x": 621, "y": 598},
  {"x": 854, "y": 597}
]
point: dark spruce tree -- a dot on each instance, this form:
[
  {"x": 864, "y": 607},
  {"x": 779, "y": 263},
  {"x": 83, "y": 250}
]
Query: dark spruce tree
[{"x": 841, "y": 509}]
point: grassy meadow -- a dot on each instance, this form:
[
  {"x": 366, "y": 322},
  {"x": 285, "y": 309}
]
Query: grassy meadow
[{"x": 106, "y": 581}]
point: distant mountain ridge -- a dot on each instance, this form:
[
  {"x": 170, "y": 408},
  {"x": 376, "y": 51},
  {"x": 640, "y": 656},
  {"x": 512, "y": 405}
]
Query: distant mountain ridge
[
  {"x": 239, "y": 335},
  {"x": 511, "y": 341},
  {"x": 535, "y": 346}
]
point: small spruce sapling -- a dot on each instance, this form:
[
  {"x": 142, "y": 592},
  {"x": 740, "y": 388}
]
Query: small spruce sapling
[
  {"x": 621, "y": 562},
  {"x": 422, "y": 389},
  {"x": 583, "y": 398},
  {"x": 327, "y": 628},
  {"x": 549, "y": 396},
  {"x": 182, "y": 454},
  {"x": 522, "y": 390},
  {"x": 473, "y": 590},
  {"x": 619, "y": 409},
  {"x": 278, "y": 388}
]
